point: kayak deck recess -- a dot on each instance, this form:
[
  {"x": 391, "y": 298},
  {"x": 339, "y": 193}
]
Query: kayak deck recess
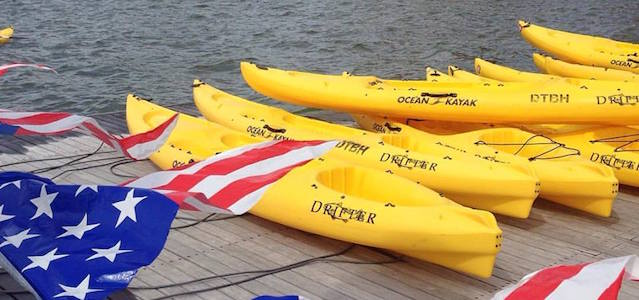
[{"x": 553, "y": 234}]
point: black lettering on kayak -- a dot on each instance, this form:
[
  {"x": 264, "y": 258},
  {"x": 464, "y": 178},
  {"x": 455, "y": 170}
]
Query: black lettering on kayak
[
  {"x": 461, "y": 102},
  {"x": 379, "y": 128},
  {"x": 549, "y": 98},
  {"x": 371, "y": 218},
  {"x": 177, "y": 163},
  {"x": 404, "y": 161},
  {"x": 337, "y": 211},
  {"x": 619, "y": 99},
  {"x": 431, "y": 100},
  {"x": 621, "y": 63},
  {"x": 267, "y": 132},
  {"x": 614, "y": 162},
  {"x": 352, "y": 147},
  {"x": 317, "y": 205}
]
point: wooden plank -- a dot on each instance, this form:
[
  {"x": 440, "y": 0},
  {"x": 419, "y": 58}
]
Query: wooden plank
[{"x": 235, "y": 249}]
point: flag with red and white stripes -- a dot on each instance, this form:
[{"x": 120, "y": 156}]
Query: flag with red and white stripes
[
  {"x": 5, "y": 68},
  {"x": 232, "y": 181},
  {"x": 597, "y": 280},
  {"x": 137, "y": 146}
]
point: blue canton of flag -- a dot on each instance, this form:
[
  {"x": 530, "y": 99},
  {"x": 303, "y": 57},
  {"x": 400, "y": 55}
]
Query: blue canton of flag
[
  {"x": 78, "y": 242},
  {"x": 8, "y": 129}
]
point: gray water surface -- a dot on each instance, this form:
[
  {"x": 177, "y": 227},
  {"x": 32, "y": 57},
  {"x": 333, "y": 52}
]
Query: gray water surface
[{"x": 155, "y": 48}]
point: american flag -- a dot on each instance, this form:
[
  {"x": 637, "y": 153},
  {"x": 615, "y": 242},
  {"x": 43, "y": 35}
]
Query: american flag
[
  {"x": 84, "y": 241},
  {"x": 232, "y": 181},
  {"x": 6, "y": 67},
  {"x": 598, "y": 280},
  {"x": 78, "y": 241},
  {"x": 137, "y": 146}
]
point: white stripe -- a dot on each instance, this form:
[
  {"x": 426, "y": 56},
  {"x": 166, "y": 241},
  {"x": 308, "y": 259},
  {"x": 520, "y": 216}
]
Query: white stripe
[
  {"x": 248, "y": 201},
  {"x": 591, "y": 281},
  {"x": 63, "y": 124},
  {"x": 164, "y": 177},
  {"x": 145, "y": 149},
  {"x": 67, "y": 123},
  {"x": 632, "y": 268},
  {"x": 41, "y": 67},
  {"x": 211, "y": 185},
  {"x": 10, "y": 115}
]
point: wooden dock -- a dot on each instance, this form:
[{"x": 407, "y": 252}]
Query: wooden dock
[{"x": 551, "y": 235}]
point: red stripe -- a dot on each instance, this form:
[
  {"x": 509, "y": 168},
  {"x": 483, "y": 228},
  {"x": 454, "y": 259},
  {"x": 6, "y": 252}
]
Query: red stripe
[
  {"x": 612, "y": 291},
  {"x": 22, "y": 131},
  {"x": 544, "y": 282},
  {"x": 233, "y": 192},
  {"x": 100, "y": 134},
  {"x": 37, "y": 119},
  {"x": 152, "y": 135},
  {"x": 180, "y": 197},
  {"x": 222, "y": 167}
]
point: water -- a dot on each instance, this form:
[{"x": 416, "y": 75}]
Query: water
[{"x": 155, "y": 48}]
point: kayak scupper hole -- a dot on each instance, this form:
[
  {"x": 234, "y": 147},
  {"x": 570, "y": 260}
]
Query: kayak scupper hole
[
  {"x": 407, "y": 142},
  {"x": 155, "y": 118},
  {"x": 233, "y": 140}
]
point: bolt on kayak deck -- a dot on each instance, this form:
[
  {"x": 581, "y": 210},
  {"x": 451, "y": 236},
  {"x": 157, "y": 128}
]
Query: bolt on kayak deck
[{"x": 551, "y": 235}]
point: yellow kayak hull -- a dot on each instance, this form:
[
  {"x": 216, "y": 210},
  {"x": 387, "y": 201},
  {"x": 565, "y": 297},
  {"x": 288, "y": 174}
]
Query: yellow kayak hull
[
  {"x": 6, "y": 34},
  {"x": 581, "y": 49},
  {"x": 520, "y": 102},
  {"x": 597, "y": 144},
  {"x": 478, "y": 183},
  {"x": 565, "y": 177},
  {"x": 339, "y": 200},
  {"x": 462, "y": 75},
  {"x": 501, "y": 73},
  {"x": 610, "y": 146},
  {"x": 557, "y": 67}
]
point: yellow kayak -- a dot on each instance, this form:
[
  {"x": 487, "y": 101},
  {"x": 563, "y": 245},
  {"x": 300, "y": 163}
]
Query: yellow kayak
[
  {"x": 468, "y": 180},
  {"x": 565, "y": 177},
  {"x": 503, "y": 73},
  {"x": 557, "y": 67},
  {"x": 615, "y": 147},
  {"x": 6, "y": 34},
  {"x": 520, "y": 102},
  {"x": 591, "y": 42},
  {"x": 494, "y": 71},
  {"x": 582, "y": 49},
  {"x": 343, "y": 201},
  {"x": 463, "y": 75}
]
